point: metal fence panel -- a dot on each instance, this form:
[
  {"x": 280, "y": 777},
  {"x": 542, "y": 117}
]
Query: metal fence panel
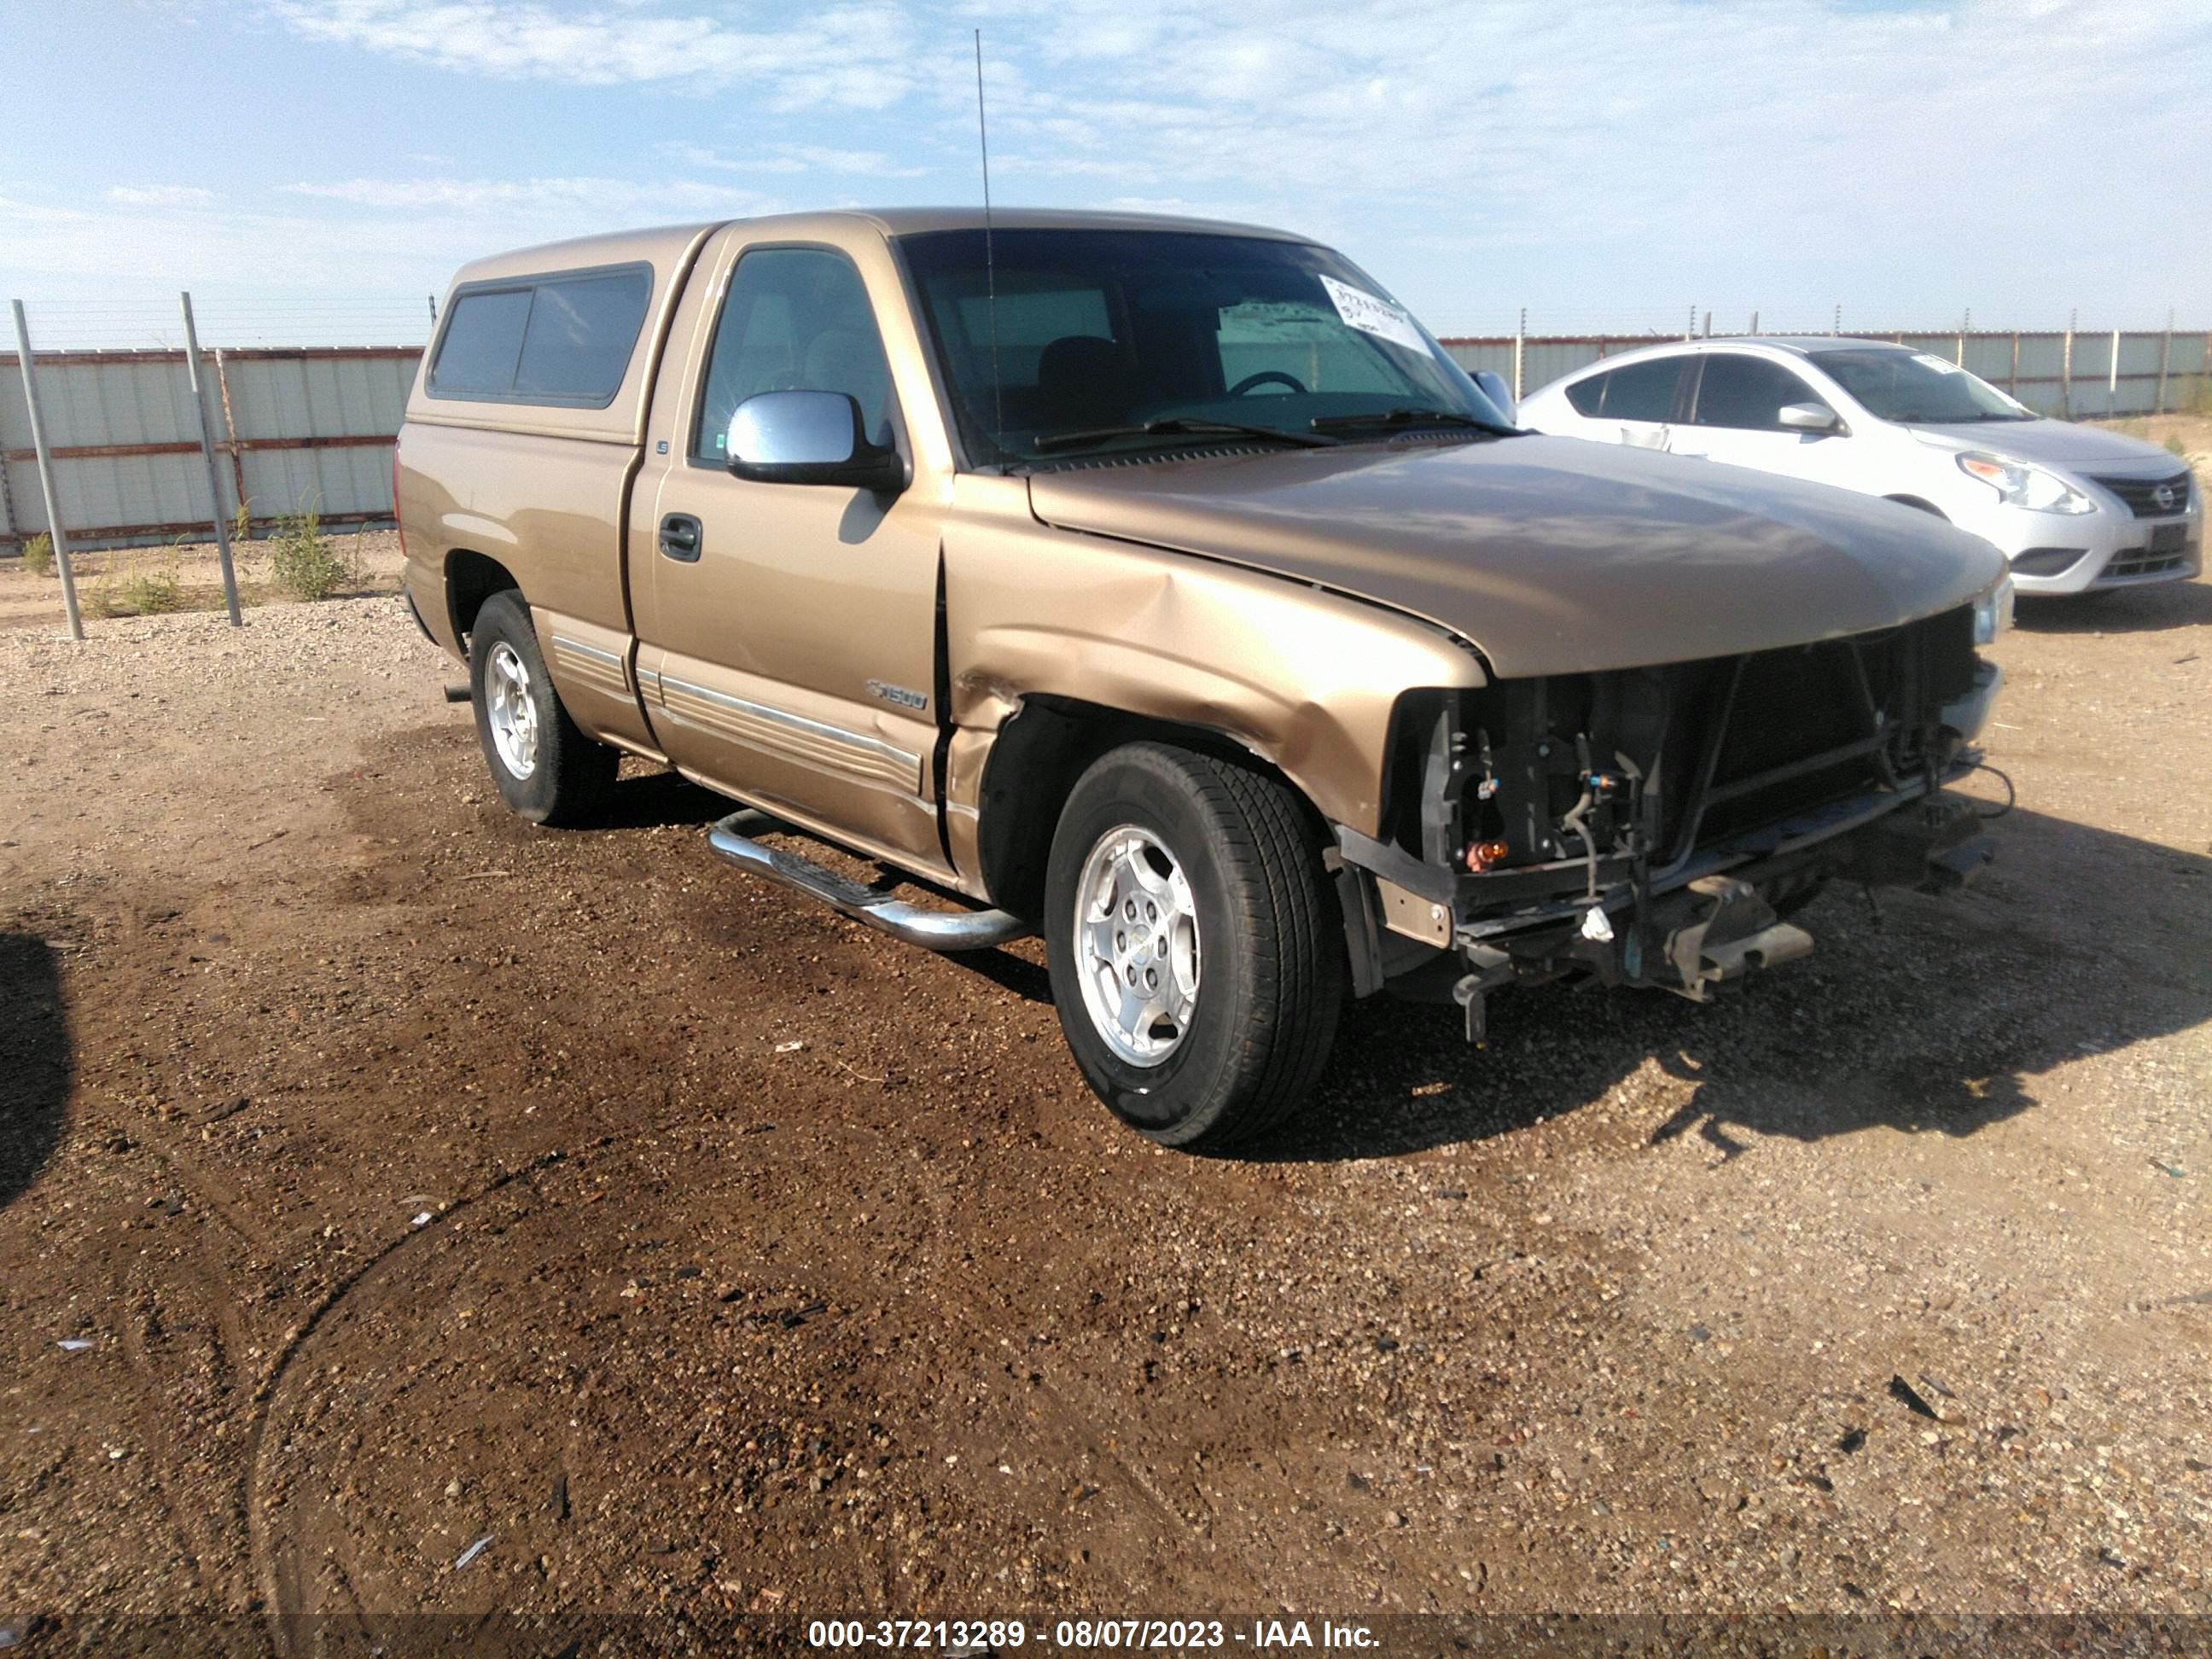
[
  {"x": 2032, "y": 366},
  {"x": 338, "y": 484},
  {"x": 319, "y": 398},
  {"x": 309, "y": 429},
  {"x": 1989, "y": 357},
  {"x": 1543, "y": 362}
]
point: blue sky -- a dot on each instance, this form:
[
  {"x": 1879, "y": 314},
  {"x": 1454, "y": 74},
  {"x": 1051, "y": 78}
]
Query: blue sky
[{"x": 326, "y": 163}]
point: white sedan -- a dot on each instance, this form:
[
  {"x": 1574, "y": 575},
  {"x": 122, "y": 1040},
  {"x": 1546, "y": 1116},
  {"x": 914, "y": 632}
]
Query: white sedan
[{"x": 2073, "y": 508}]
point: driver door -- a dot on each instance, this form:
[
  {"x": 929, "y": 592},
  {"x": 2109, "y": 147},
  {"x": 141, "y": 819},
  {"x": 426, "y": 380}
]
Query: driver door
[{"x": 788, "y": 630}]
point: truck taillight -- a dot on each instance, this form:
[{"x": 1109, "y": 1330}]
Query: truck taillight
[{"x": 396, "y": 523}]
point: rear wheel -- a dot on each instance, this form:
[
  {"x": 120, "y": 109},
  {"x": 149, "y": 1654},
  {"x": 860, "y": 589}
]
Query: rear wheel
[
  {"x": 547, "y": 770},
  {"x": 1196, "y": 955}
]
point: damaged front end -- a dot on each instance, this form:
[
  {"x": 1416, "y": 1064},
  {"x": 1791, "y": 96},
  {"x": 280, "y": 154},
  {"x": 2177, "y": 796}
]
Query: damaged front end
[{"x": 1657, "y": 826}]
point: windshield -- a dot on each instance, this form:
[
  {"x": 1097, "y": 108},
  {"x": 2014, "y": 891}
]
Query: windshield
[
  {"x": 1095, "y": 335},
  {"x": 1915, "y": 389}
]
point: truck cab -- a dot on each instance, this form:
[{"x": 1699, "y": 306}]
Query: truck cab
[{"x": 1162, "y": 587}]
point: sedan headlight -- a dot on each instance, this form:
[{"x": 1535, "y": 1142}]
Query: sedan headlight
[
  {"x": 1993, "y": 613},
  {"x": 2019, "y": 484}
]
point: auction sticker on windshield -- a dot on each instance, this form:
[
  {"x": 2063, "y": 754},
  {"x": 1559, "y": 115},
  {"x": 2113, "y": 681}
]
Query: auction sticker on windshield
[{"x": 1372, "y": 316}]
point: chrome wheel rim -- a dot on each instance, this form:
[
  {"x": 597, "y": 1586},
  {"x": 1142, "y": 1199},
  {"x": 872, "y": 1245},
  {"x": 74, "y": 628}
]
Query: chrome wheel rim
[
  {"x": 1136, "y": 945},
  {"x": 511, "y": 710}
]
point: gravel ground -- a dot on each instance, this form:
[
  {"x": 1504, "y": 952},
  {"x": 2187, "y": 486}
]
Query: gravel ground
[
  {"x": 28, "y": 601},
  {"x": 378, "y": 1175}
]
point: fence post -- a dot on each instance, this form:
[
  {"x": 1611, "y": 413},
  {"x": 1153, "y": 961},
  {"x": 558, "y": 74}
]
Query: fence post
[
  {"x": 1754, "y": 322},
  {"x": 2012, "y": 380},
  {"x": 207, "y": 454},
  {"x": 1966, "y": 327},
  {"x": 434, "y": 313},
  {"x": 2165, "y": 357},
  {"x": 46, "y": 475},
  {"x": 8, "y": 508},
  {"x": 1690, "y": 331},
  {"x": 230, "y": 441},
  {"x": 2066, "y": 368},
  {"x": 2112, "y": 378},
  {"x": 1837, "y": 327},
  {"x": 1520, "y": 339}
]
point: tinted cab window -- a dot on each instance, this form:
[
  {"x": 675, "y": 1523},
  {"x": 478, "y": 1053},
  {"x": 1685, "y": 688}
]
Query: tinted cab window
[
  {"x": 483, "y": 338},
  {"x": 1640, "y": 392},
  {"x": 562, "y": 339},
  {"x": 1747, "y": 393}
]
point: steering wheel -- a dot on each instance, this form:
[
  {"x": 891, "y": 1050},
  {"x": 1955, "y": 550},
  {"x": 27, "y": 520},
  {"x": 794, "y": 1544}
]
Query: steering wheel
[{"x": 1265, "y": 377}]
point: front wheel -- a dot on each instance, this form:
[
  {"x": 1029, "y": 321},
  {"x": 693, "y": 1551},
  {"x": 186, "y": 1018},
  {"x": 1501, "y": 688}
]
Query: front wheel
[
  {"x": 547, "y": 770},
  {"x": 1195, "y": 950}
]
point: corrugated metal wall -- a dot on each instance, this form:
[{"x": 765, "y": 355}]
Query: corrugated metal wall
[
  {"x": 2055, "y": 374},
  {"x": 311, "y": 427},
  {"x": 296, "y": 431}
]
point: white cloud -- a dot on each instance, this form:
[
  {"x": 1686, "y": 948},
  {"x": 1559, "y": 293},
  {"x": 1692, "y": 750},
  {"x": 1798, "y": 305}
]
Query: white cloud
[
  {"x": 794, "y": 158},
  {"x": 852, "y": 55},
  {"x": 332, "y": 239},
  {"x": 595, "y": 204},
  {"x": 1731, "y": 151},
  {"x": 460, "y": 195},
  {"x": 160, "y": 196},
  {"x": 1905, "y": 159}
]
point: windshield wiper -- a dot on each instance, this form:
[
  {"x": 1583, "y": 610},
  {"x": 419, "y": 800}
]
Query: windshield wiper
[
  {"x": 1177, "y": 426},
  {"x": 1393, "y": 418}
]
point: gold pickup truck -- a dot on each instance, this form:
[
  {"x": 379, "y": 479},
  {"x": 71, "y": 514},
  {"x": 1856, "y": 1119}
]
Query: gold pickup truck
[{"x": 1162, "y": 587}]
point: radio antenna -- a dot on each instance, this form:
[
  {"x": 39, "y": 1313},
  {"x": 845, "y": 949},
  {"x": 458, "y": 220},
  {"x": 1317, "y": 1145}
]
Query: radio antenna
[{"x": 990, "y": 262}]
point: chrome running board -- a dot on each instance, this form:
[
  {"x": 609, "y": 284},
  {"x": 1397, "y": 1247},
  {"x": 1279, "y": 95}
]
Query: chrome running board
[{"x": 936, "y": 930}]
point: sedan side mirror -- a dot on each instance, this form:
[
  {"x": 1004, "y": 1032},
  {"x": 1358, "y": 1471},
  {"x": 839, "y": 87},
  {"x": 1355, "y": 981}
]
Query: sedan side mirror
[
  {"x": 810, "y": 437},
  {"x": 1495, "y": 388},
  {"x": 1808, "y": 417}
]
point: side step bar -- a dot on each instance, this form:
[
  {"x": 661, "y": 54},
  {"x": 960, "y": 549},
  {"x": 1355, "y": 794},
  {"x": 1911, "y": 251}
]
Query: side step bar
[{"x": 937, "y": 930}]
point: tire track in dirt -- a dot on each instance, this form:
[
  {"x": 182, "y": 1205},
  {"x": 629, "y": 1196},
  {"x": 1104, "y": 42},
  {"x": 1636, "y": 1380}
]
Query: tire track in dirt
[
  {"x": 276, "y": 1605},
  {"x": 381, "y": 1282},
  {"x": 275, "y": 1569}
]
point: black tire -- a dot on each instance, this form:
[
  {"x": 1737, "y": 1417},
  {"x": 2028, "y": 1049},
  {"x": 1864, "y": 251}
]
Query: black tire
[
  {"x": 569, "y": 774},
  {"x": 1270, "y": 984}
]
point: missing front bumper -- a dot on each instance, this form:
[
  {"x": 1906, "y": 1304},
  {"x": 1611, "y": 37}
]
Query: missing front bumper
[{"x": 1719, "y": 928}]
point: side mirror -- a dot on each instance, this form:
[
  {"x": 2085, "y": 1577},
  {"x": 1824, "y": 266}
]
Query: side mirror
[
  {"x": 1495, "y": 388},
  {"x": 1808, "y": 417},
  {"x": 810, "y": 437}
]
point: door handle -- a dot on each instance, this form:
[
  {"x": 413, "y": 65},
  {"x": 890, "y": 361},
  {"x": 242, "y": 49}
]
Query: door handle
[{"x": 679, "y": 537}]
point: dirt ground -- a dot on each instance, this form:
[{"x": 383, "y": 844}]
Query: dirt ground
[
  {"x": 2187, "y": 435},
  {"x": 379, "y": 1175}
]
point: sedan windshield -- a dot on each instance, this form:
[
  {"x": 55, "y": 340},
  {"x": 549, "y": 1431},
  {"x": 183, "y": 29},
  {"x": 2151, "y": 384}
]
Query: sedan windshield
[
  {"x": 1914, "y": 389},
  {"x": 1075, "y": 342}
]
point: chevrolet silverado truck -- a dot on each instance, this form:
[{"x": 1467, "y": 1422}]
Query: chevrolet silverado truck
[{"x": 1162, "y": 587}]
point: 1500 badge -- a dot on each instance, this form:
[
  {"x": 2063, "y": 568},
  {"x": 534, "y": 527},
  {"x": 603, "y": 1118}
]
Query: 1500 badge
[{"x": 898, "y": 694}]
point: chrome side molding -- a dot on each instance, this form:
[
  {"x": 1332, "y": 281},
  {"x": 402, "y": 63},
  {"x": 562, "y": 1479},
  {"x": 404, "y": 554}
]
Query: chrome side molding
[{"x": 936, "y": 930}]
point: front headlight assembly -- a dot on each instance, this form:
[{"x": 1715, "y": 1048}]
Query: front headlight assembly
[
  {"x": 2019, "y": 484},
  {"x": 1993, "y": 613}
]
